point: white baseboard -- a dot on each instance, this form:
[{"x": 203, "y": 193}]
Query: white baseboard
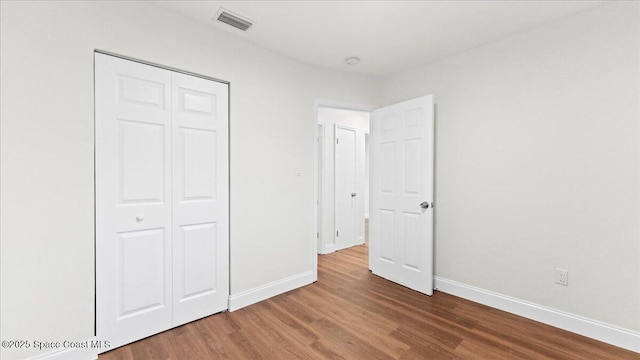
[
  {"x": 610, "y": 334},
  {"x": 328, "y": 249},
  {"x": 249, "y": 297},
  {"x": 88, "y": 353}
]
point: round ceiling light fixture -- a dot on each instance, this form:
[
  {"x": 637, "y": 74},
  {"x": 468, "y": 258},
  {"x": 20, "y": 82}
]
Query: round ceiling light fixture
[{"x": 352, "y": 60}]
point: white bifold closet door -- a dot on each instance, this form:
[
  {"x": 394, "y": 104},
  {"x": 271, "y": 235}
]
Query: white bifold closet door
[{"x": 162, "y": 205}]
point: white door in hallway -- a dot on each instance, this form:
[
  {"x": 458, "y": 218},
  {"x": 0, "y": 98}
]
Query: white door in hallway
[
  {"x": 401, "y": 218},
  {"x": 161, "y": 199},
  {"x": 345, "y": 186}
]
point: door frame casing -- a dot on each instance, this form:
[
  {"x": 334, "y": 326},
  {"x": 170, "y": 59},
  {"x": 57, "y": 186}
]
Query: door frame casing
[
  {"x": 318, "y": 179},
  {"x": 319, "y": 103}
]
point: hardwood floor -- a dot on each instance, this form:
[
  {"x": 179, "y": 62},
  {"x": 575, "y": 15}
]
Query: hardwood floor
[{"x": 351, "y": 314}]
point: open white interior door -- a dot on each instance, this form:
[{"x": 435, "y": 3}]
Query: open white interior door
[{"x": 402, "y": 193}]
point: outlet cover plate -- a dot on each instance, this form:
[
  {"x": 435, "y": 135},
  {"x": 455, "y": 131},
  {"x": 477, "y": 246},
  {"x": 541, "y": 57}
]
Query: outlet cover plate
[{"x": 562, "y": 277}]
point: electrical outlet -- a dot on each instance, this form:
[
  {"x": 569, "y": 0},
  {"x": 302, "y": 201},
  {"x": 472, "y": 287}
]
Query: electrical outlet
[{"x": 562, "y": 277}]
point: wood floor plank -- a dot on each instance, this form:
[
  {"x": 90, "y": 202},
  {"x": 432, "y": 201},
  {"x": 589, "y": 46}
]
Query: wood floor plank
[
  {"x": 371, "y": 328},
  {"x": 332, "y": 351},
  {"x": 351, "y": 314},
  {"x": 427, "y": 335},
  {"x": 287, "y": 324},
  {"x": 301, "y": 312},
  {"x": 218, "y": 342},
  {"x": 348, "y": 340},
  {"x": 276, "y": 343}
]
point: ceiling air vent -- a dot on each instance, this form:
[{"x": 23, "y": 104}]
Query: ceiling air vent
[{"x": 234, "y": 20}]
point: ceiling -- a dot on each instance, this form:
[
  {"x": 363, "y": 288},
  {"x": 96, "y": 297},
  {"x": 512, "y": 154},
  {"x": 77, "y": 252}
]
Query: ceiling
[{"x": 388, "y": 36}]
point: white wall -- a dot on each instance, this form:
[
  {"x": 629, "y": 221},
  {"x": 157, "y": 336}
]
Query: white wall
[
  {"x": 46, "y": 71},
  {"x": 358, "y": 120},
  {"x": 537, "y": 163}
]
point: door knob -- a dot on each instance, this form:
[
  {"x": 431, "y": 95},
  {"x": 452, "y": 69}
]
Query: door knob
[
  {"x": 424, "y": 205},
  {"x": 139, "y": 217},
  {"x": 353, "y": 194}
]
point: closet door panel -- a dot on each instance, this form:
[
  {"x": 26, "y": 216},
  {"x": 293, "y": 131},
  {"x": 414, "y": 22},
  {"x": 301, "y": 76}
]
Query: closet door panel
[
  {"x": 200, "y": 197},
  {"x": 162, "y": 203},
  {"x": 133, "y": 200}
]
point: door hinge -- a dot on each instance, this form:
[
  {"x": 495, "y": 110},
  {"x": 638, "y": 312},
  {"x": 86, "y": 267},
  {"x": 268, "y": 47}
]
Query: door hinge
[
  {"x": 337, "y": 141},
  {"x": 337, "y": 233},
  {"x": 318, "y": 235}
]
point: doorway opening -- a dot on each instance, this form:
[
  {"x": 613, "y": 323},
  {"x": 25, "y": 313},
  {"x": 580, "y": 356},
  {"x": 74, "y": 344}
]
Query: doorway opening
[
  {"x": 342, "y": 177},
  {"x": 400, "y": 195}
]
